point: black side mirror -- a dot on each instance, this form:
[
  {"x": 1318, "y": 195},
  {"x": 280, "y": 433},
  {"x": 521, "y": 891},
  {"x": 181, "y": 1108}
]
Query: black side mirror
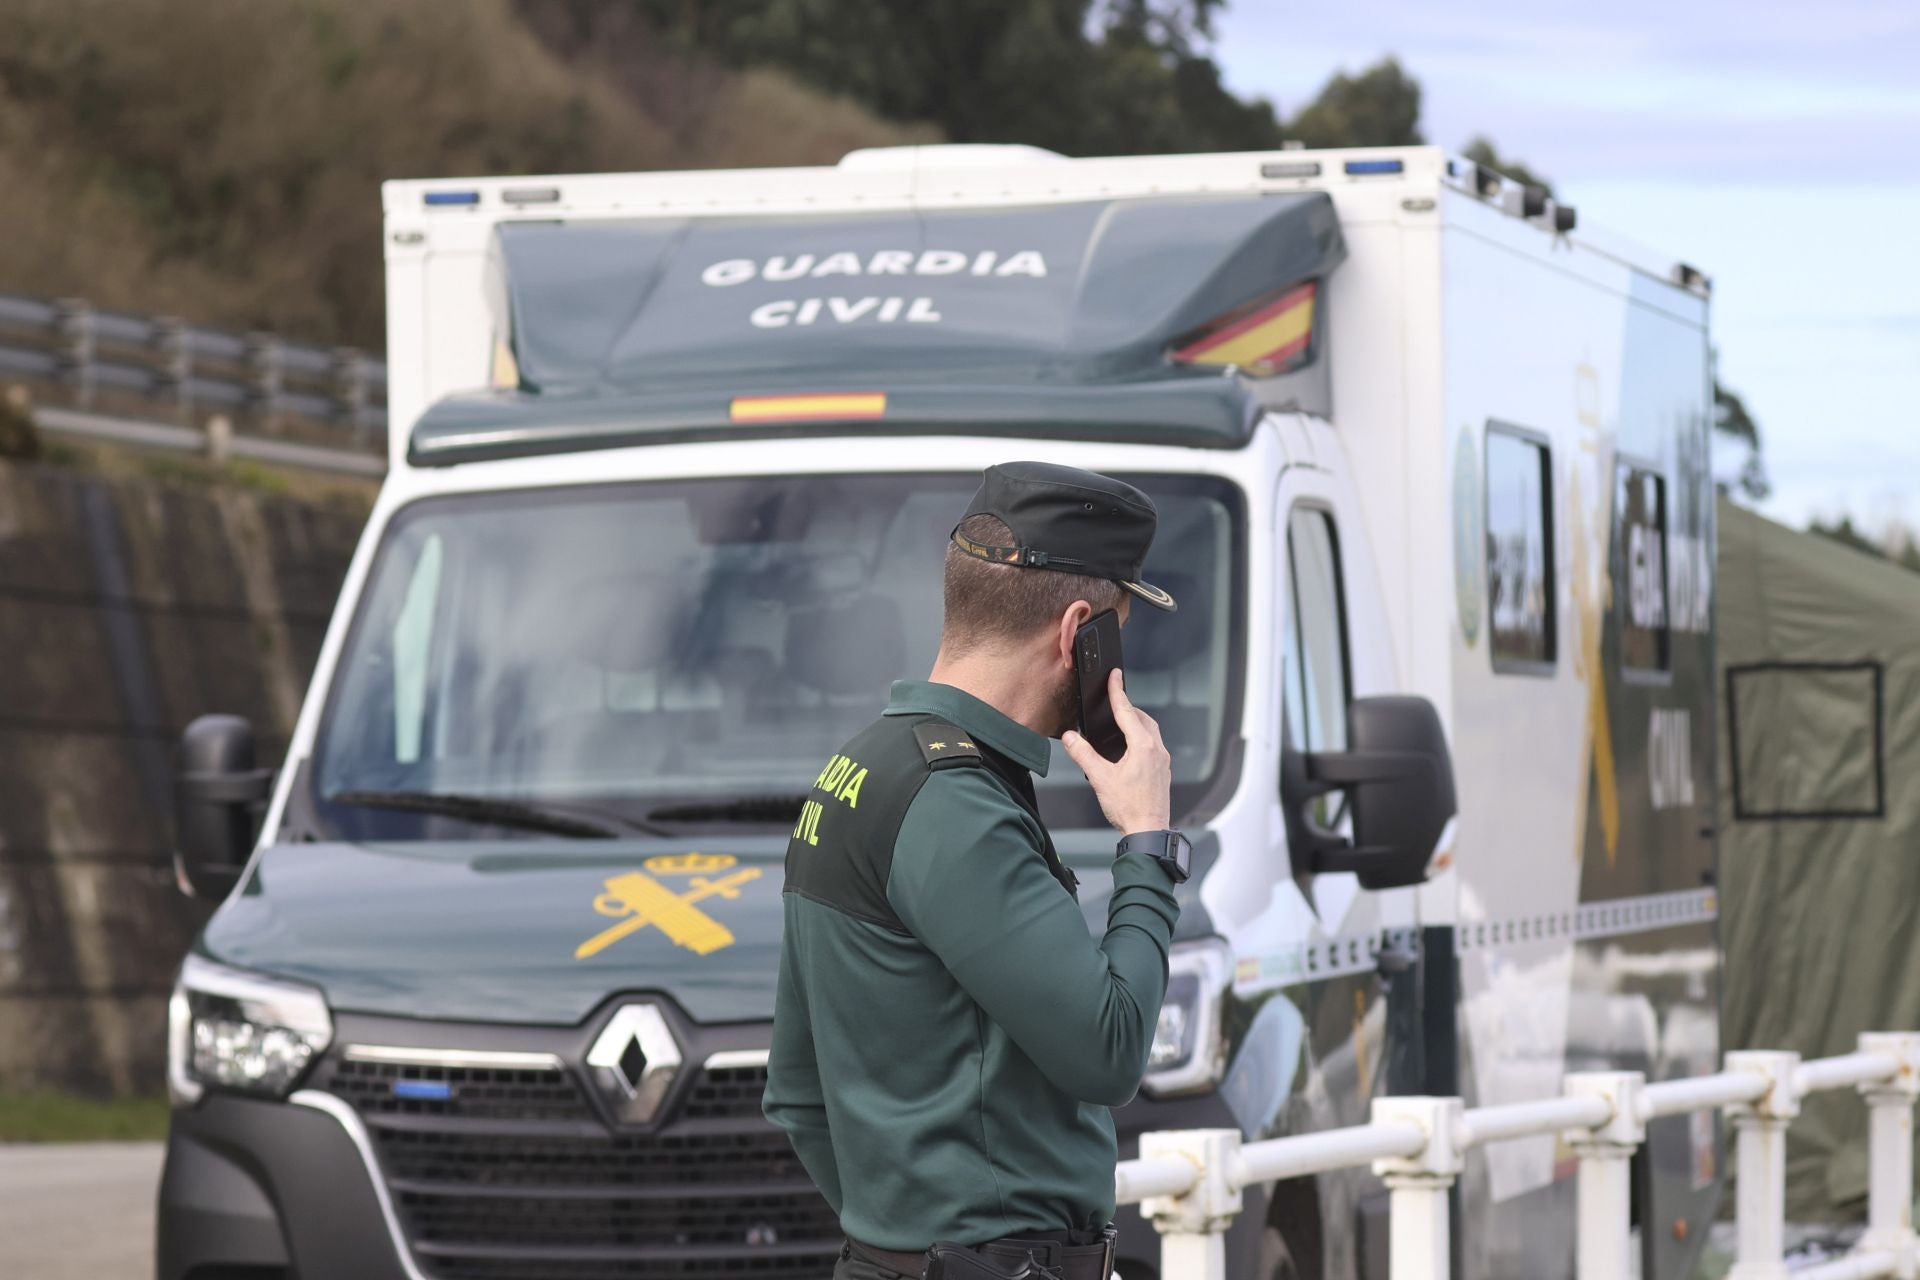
[
  {"x": 1398, "y": 774},
  {"x": 218, "y": 798}
]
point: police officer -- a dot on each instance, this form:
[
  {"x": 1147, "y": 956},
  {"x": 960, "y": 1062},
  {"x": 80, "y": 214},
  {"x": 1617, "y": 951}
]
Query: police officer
[{"x": 947, "y": 1036}]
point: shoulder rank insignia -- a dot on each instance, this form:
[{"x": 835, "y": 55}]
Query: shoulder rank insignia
[{"x": 944, "y": 747}]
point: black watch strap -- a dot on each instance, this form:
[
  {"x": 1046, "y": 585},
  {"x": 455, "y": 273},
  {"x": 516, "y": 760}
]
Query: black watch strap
[{"x": 1167, "y": 847}]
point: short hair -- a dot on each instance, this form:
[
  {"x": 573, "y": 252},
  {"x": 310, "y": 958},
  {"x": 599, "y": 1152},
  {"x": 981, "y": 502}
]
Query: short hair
[{"x": 988, "y": 601}]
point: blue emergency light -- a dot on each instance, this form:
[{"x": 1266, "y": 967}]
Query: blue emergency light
[
  {"x": 1375, "y": 166},
  {"x": 423, "y": 1090}
]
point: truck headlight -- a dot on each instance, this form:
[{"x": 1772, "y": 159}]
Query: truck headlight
[
  {"x": 231, "y": 1029},
  {"x": 1189, "y": 1050}
]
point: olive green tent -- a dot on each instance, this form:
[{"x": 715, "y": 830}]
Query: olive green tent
[{"x": 1819, "y": 667}]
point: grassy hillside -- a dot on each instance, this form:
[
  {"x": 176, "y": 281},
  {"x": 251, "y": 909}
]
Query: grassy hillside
[{"x": 221, "y": 159}]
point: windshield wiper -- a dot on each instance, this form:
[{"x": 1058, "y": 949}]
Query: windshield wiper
[
  {"x": 769, "y": 808},
  {"x": 506, "y": 813}
]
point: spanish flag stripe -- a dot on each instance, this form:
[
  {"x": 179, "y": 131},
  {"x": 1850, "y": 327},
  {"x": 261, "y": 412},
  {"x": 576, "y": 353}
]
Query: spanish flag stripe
[
  {"x": 792, "y": 408},
  {"x": 1283, "y": 354},
  {"x": 1291, "y": 298},
  {"x": 1265, "y": 341}
]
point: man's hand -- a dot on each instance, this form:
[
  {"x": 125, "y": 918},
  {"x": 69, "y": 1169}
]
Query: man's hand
[{"x": 1136, "y": 791}]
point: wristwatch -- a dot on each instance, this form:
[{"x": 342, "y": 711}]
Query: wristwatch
[{"x": 1169, "y": 848}]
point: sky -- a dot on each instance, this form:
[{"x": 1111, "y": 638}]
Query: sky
[{"x": 1774, "y": 145}]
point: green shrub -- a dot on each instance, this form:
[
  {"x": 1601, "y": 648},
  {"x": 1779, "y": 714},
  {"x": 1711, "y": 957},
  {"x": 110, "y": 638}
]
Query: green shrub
[{"x": 222, "y": 159}]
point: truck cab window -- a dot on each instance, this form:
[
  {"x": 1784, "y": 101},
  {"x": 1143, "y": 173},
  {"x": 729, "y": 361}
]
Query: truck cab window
[
  {"x": 1314, "y": 652},
  {"x": 1641, "y": 500},
  {"x": 1520, "y": 583},
  {"x": 701, "y": 645},
  {"x": 412, "y": 635}
]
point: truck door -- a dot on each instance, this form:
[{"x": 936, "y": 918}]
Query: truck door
[
  {"x": 1367, "y": 1033},
  {"x": 1316, "y": 669},
  {"x": 1316, "y": 685}
]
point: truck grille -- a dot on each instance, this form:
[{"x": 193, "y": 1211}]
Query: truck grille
[{"x": 513, "y": 1176}]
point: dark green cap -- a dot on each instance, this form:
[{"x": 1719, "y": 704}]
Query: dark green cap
[{"x": 1067, "y": 519}]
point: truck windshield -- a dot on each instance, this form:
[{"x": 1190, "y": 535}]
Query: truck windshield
[{"x": 663, "y": 655}]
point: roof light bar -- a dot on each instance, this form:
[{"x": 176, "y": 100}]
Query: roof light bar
[
  {"x": 1688, "y": 276},
  {"x": 1290, "y": 169},
  {"x": 452, "y": 197},
  {"x": 530, "y": 195},
  {"x": 1375, "y": 166}
]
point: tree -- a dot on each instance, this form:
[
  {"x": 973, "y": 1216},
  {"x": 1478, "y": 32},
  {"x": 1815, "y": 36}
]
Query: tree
[
  {"x": 1731, "y": 419},
  {"x": 1380, "y": 107},
  {"x": 1181, "y": 25},
  {"x": 1483, "y": 153},
  {"x": 1083, "y": 77}
]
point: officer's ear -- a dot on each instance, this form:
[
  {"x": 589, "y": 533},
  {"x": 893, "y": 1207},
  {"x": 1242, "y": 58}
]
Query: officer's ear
[{"x": 1067, "y": 626}]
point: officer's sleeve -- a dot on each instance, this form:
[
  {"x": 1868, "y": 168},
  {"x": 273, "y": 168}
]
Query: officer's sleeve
[
  {"x": 969, "y": 879},
  {"x": 793, "y": 1099}
]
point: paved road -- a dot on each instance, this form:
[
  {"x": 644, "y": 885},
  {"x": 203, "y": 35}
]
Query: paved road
[{"x": 79, "y": 1210}]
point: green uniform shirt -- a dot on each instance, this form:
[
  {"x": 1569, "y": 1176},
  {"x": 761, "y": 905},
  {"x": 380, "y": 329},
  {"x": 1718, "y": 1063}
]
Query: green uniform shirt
[{"x": 947, "y": 1037}]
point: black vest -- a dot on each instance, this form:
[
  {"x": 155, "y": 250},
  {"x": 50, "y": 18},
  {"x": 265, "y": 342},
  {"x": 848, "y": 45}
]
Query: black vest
[{"x": 841, "y": 851}]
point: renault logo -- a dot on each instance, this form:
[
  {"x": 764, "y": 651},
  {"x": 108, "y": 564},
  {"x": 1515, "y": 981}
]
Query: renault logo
[{"x": 634, "y": 1062}]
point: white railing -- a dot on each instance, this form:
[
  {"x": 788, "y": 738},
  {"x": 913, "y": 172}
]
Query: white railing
[{"x": 1189, "y": 1182}]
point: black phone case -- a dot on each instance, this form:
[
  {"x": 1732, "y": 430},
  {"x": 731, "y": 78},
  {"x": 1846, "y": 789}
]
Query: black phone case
[{"x": 1096, "y": 652}]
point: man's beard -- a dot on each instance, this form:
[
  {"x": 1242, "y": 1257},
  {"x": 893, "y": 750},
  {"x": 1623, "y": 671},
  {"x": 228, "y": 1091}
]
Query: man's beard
[{"x": 1064, "y": 717}]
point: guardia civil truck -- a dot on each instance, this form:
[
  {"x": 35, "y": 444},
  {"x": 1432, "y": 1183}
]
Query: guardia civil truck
[{"x": 674, "y": 460}]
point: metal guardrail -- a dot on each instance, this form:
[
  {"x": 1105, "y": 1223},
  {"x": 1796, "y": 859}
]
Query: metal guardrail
[
  {"x": 1189, "y": 1182},
  {"x": 252, "y": 394}
]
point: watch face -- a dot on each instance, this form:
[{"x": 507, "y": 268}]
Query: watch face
[{"x": 1180, "y": 849}]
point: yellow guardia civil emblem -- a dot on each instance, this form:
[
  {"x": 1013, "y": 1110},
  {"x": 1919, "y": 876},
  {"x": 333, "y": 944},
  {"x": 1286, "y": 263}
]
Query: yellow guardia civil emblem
[{"x": 644, "y": 901}]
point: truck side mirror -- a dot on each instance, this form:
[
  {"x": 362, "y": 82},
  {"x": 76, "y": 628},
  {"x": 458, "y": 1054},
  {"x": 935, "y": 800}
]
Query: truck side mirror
[
  {"x": 1398, "y": 775},
  {"x": 218, "y": 799}
]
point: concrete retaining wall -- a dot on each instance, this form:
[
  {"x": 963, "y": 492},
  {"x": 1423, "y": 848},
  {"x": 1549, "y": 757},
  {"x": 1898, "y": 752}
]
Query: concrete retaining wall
[{"x": 128, "y": 606}]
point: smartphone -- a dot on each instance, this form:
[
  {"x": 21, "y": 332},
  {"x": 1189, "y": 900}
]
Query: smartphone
[{"x": 1096, "y": 652}]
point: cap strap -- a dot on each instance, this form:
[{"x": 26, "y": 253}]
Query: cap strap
[{"x": 1024, "y": 557}]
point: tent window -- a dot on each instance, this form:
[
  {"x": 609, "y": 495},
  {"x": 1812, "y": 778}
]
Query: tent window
[
  {"x": 1520, "y": 586},
  {"x": 1641, "y": 500},
  {"x": 1809, "y": 740}
]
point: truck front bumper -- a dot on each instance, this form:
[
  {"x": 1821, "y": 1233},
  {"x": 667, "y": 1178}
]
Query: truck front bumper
[{"x": 254, "y": 1184}]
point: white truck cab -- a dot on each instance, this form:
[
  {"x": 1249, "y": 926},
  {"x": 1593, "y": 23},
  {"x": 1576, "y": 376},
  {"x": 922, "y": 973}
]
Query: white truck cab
[{"x": 673, "y": 463}]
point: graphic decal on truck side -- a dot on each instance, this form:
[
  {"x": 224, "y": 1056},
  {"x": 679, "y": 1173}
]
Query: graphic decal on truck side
[
  {"x": 645, "y": 901},
  {"x": 1592, "y": 595}
]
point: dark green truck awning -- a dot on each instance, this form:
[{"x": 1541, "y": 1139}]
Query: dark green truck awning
[{"x": 1053, "y": 319}]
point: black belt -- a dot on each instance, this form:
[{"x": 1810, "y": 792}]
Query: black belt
[{"x": 1042, "y": 1257}]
